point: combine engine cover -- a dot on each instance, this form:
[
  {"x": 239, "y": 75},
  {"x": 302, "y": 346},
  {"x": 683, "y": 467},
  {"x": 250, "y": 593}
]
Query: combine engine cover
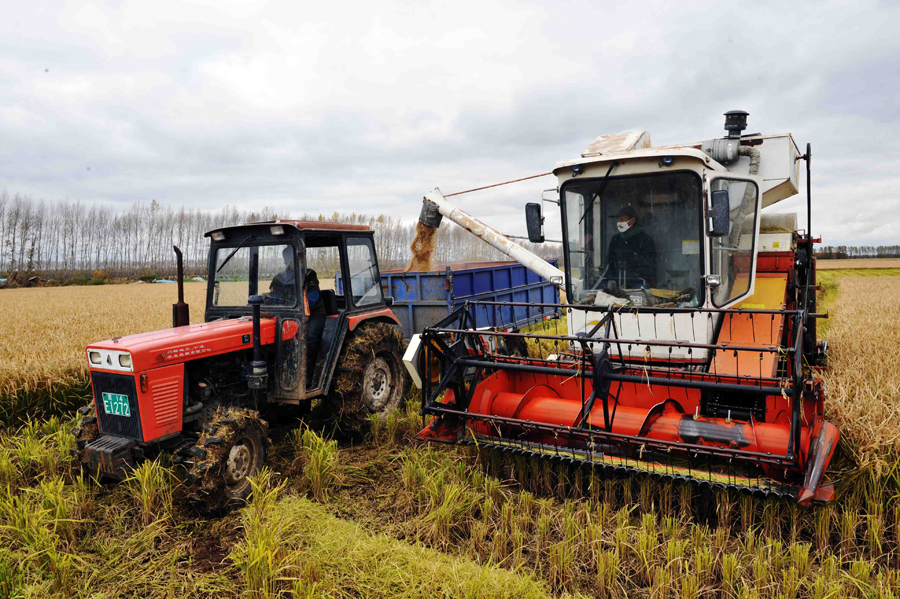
[{"x": 689, "y": 350}]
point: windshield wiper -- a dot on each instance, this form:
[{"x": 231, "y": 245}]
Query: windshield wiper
[
  {"x": 231, "y": 255},
  {"x": 599, "y": 192}
]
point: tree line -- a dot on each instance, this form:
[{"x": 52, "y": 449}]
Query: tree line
[
  {"x": 861, "y": 251},
  {"x": 72, "y": 241}
]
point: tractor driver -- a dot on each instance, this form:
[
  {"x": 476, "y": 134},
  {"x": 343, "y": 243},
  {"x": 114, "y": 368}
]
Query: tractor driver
[
  {"x": 282, "y": 290},
  {"x": 318, "y": 314},
  {"x": 632, "y": 254}
]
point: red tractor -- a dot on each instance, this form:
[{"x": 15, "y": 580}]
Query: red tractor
[{"x": 271, "y": 336}]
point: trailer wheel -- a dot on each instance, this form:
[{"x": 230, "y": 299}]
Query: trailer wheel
[
  {"x": 370, "y": 378},
  {"x": 85, "y": 432},
  {"x": 230, "y": 451}
]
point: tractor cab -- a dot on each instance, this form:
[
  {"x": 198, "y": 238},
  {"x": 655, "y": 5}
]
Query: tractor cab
[{"x": 292, "y": 266}]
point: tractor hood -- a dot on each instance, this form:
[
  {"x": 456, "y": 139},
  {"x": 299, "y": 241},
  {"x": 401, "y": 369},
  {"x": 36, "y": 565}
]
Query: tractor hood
[{"x": 182, "y": 344}]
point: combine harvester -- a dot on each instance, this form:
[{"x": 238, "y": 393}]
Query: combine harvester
[{"x": 691, "y": 350}]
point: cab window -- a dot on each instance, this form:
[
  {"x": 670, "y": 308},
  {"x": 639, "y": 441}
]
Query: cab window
[
  {"x": 365, "y": 282},
  {"x": 635, "y": 238},
  {"x": 235, "y": 281}
]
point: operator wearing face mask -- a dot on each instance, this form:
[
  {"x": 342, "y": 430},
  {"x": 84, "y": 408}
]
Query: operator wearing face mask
[{"x": 632, "y": 254}]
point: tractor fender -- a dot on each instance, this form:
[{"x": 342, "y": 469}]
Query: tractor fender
[{"x": 383, "y": 315}]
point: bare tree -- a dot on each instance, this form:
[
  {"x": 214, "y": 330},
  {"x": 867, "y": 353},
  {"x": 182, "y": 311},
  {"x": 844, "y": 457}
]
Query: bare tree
[{"x": 66, "y": 239}]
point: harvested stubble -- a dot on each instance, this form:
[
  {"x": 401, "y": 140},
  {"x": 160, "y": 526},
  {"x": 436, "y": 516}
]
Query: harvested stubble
[
  {"x": 294, "y": 547},
  {"x": 587, "y": 546},
  {"x": 43, "y": 365}
]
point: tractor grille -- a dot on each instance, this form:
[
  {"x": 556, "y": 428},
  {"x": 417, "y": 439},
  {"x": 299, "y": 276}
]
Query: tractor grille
[
  {"x": 110, "y": 424},
  {"x": 167, "y": 399}
]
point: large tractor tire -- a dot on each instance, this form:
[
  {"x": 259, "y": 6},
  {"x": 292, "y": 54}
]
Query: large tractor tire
[
  {"x": 370, "y": 377},
  {"x": 86, "y": 431},
  {"x": 230, "y": 451}
]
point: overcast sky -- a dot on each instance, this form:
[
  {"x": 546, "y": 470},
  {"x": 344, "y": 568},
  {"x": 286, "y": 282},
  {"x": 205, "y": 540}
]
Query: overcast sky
[{"x": 365, "y": 106}]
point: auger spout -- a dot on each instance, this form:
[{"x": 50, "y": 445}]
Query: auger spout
[{"x": 435, "y": 206}]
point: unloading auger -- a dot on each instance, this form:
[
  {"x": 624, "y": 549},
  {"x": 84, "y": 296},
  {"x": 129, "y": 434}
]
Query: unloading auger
[{"x": 690, "y": 350}]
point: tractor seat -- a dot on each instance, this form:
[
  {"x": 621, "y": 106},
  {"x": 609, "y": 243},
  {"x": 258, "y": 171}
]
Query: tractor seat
[{"x": 330, "y": 301}]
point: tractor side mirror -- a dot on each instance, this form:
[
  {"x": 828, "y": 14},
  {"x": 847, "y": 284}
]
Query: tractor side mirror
[
  {"x": 534, "y": 220},
  {"x": 717, "y": 217}
]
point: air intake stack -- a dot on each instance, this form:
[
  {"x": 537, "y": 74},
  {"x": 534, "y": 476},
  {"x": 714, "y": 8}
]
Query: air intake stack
[{"x": 735, "y": 123}]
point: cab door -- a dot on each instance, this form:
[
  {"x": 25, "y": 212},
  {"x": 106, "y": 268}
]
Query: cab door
[
  {"x": 290, "y": 341},
  {"x": 731, "y": 258}
]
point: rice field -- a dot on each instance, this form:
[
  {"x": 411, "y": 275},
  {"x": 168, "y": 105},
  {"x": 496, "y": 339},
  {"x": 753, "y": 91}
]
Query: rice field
[
  {"x": 45, "y": 331},
  {"x": 392, "y": 518},
  {"x": 857, "y": 263}
]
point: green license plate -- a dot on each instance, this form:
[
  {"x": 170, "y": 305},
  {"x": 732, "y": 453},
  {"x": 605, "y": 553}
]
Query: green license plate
[{"x": 116, "y": 404}]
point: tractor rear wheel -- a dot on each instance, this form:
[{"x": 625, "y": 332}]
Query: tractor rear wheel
[
  {"x": 370, "y": 377},
  {"x": 230, "y": 451}
]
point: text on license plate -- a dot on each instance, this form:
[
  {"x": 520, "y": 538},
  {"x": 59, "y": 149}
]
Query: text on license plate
[{"x": 116, "y": 404}]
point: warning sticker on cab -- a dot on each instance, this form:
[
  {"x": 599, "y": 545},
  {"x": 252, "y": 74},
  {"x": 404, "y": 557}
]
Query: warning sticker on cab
[{"x": 690, "y": 247}]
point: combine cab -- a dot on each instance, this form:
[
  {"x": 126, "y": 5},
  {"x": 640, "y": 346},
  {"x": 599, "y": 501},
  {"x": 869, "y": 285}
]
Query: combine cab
[
  {"x": 271, "y": 338},
  {"x": 690, "y": 351}
]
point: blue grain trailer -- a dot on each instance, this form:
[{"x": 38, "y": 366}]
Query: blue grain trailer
[{"x": 423, "y": 298}]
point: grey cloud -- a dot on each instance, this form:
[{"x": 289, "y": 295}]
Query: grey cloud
[{"x": 367, "y": 110}]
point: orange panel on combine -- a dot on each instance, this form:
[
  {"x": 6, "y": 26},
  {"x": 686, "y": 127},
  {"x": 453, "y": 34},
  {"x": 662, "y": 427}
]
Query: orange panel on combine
[{"x": 753, "y": 330}]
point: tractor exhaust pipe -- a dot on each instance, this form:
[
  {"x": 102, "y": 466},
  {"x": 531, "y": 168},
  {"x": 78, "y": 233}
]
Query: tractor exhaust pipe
[
  {"x": 181, "y": 313},
  {"x": 258, "y": 378}
]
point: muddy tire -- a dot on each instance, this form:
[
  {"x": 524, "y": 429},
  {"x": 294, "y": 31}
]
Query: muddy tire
[
  {"x": 86, "y": 431},
  {"x": 231, "y": 450},
  {"x": 370, "y": 378}
]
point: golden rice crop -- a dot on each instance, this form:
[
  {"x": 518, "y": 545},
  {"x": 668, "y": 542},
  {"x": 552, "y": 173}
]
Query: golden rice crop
[
  {"x": 45, "y": 330},
  {"x": 858, "y": 263},
  {"x": 863, "y": 377}
]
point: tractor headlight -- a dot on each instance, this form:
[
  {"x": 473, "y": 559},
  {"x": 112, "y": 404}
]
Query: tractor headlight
[
  {"x": 125, "y": 360},
  {"x": 94, "y": 357}
]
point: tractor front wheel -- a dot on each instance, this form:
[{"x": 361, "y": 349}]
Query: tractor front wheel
[
  {"x": 85, "y": 432},
  {"x": 370, "y": 378},
  {"x": 230, "y": 451}
]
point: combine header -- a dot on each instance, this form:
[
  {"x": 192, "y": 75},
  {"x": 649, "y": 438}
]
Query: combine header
[{"x": 690, "y": 351}]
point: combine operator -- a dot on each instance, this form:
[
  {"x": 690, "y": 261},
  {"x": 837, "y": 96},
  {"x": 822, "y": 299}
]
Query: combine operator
[{"x": 632, "y": 254}]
